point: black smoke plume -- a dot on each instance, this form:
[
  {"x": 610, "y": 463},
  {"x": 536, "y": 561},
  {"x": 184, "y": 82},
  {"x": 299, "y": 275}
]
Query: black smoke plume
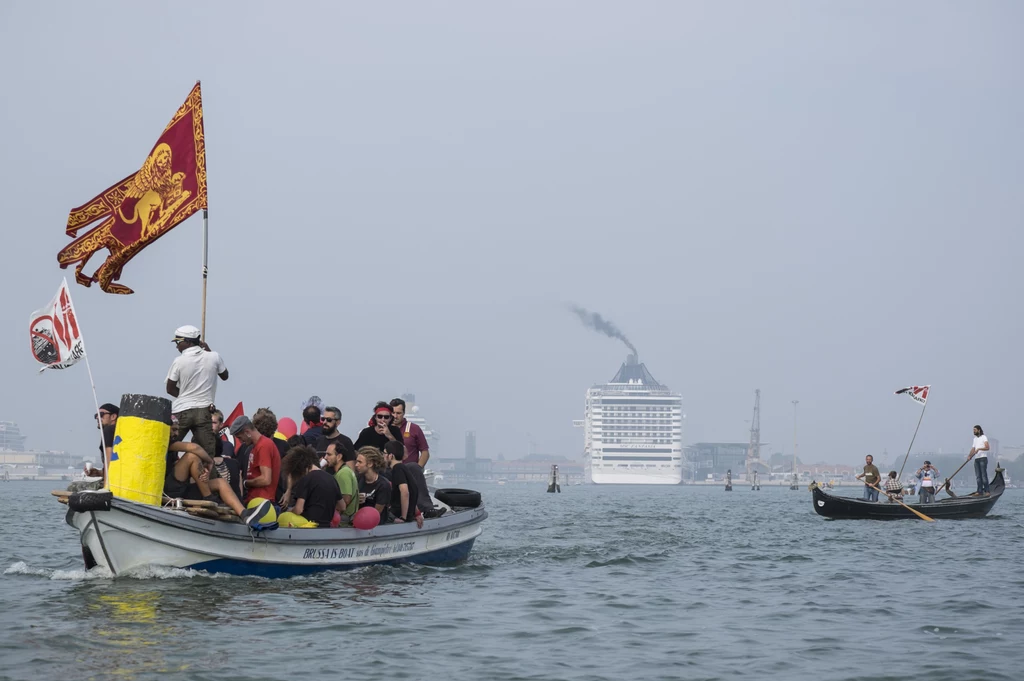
[{"x": 598, "y": 323}]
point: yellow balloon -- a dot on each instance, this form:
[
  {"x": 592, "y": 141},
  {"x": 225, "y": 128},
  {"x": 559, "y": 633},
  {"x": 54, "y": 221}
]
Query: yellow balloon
[{"x": 269, "y": 517}]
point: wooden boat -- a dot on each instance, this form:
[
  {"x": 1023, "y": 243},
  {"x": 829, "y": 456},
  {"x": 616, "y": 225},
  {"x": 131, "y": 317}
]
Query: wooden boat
[
  {"x": 945, "y": 508},
  {"x": 121, "y": 535}
]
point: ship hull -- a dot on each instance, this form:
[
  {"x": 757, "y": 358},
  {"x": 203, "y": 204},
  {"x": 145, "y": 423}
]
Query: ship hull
[
  {"x": 131, "y": 535},
  {"x": 667, "y": 478}
]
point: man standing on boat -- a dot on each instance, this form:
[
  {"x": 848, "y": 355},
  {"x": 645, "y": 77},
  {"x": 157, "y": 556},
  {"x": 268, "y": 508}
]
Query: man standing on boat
[
  {"x": 979, "y": 452},
  {"x": 871, "y": 477},
  {"x": 927, "y": 474},
  {"x": 416, "y": 448},
  {"x": 192, "y": 382}
]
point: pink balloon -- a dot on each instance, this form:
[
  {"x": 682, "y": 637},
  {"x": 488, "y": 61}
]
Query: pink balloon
[
  {"x": 366, "y": 518},
  {"x": 336, "y": 520},
  {"x": 287, "y": 427}
]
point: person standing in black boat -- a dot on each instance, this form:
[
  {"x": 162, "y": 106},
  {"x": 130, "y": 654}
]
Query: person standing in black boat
[
  {"x": 379, "y": 432},
  {"x": 927, "y": 474},
  {"x": 871, "y": 476},
  {"x": 979, "y": 452}
]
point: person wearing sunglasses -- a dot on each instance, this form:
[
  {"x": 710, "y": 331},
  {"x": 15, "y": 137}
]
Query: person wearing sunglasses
[
  {"x": 106, "y": 419},
  {"x": 380, "y": 430},
  {"x": 331, "y": 435}
]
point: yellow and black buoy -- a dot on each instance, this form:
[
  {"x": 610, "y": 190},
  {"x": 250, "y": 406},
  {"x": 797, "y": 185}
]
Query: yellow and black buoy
[{"x": 138, "y": 462}]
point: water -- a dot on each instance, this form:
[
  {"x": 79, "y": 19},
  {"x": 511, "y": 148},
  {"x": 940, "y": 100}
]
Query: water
[{"x": 594, "y": 583}]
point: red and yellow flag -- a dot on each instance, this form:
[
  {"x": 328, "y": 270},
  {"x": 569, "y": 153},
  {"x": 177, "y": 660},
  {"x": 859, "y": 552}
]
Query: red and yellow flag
[{"x": 141, "y": 208}]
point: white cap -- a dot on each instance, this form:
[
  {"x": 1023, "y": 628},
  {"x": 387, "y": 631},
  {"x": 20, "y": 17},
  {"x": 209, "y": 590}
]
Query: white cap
[{"x": 187, "y": 332}]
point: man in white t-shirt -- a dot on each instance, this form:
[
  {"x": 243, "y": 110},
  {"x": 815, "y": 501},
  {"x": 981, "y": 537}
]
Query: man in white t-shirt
[
  {"x": 979, "y": 452},
  {"x": 192, "y": 382}
]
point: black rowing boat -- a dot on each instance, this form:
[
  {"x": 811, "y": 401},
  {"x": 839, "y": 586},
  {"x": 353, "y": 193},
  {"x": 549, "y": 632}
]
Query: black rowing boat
[{"x": 847, "y": 508}]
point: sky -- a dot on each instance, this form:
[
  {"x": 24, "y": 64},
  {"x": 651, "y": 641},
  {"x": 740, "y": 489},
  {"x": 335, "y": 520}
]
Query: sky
[{"x": 818, "y": 200}]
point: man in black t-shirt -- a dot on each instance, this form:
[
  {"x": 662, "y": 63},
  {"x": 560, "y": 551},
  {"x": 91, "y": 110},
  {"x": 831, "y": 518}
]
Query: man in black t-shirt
[
  {"x": 374, "y": 488},
  {"x": 331, "y": 434},
  {"x": 404, "y": 493},
  {"x": 380, "y": 431},
  {"x": 315, "y": 492},
  {"x": 106, "y": 420}
]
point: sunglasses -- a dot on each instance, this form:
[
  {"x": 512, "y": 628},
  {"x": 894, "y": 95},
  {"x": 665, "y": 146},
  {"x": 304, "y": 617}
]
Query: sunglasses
[
  {"x": 102, "y": 414},
  {"x": 384, "y": 417},
  {"x": 329, "y": 420}
]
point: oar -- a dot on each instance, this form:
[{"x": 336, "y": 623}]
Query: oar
[
  {"x": 913, "y": 510},
  {"x": 945, "y": 485}
]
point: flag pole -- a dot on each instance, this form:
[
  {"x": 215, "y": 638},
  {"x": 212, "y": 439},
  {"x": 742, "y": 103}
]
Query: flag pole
[
  {"x": 206, "y": 269},
  {"x": 899, "y": 475},
  {"x": 99, "y": 424}
]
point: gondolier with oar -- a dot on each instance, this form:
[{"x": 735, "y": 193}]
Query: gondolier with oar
[
  {"x": 871, "y": 478},
  {"x": 979, "y": 452}
]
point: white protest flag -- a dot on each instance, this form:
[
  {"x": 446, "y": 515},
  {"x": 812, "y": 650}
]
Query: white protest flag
[
  {"x": 919, "y": 393},
  {"x": 54, "y": 333}
]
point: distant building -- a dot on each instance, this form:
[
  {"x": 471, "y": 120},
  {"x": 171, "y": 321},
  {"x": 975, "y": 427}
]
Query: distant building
[
  {"x": 716, "y": 458},
  {"x": 11, "y": 439},
  {"x": 470, "y": 445}
]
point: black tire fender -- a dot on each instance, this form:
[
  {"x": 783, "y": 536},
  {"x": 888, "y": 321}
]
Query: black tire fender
[{"x": 464, "y": 498}]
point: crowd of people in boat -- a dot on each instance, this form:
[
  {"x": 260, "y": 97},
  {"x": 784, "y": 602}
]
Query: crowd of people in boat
[
  {"x": 316, "y": 478},
  {"x": 927, "y": 476}
]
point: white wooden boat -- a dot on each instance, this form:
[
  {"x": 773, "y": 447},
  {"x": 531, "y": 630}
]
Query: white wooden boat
[{"x": 129, "y": 535}]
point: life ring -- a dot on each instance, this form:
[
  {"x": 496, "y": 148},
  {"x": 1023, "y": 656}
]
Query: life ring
[{"x": 465, "y": 498}]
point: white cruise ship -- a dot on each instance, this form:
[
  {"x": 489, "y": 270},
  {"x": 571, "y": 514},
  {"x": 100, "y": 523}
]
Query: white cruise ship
[{"x": 633, "y": 430}]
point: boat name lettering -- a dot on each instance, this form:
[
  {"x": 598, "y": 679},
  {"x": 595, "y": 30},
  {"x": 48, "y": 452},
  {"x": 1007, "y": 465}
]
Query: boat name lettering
[
  {"x": 372, "y": 551},
  {"x": 454, "y": 534},
  {"x": 328, "y": 554}
]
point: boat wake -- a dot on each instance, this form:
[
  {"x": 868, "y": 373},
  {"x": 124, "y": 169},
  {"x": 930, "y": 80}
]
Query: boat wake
[{"x": 101, "y": 573}]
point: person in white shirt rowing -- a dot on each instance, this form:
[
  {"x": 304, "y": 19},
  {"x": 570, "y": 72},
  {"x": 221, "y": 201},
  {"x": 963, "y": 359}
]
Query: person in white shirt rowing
[
  {"x": 927, "y": 474},
  {"x": 192, "y": 382},
  {"x": 979, "y": 452}
]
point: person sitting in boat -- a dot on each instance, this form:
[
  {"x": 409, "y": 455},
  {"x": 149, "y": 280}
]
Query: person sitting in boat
[
  {"x": 380, "y": 431},
  {"x": 264, "y": 469},
  {"x": 374, "y": 488},
  {"x": 188, "y": 477},
  {"x": 893, "y": 487},
  {"x": 311, "y": 416},
  {"x": 341, "y": 463},
  {"x": 315, "y": 492},
  {"x": 871, "y": 477},
  {"x": 330, "y": 433},
  {"x": 927, "y": 474},
  {"x": 416, "y": 448},
  {"x": 225, "y": 447},
  {"x": 404, "y": 493},
  {"x": 265, "y": 421}
]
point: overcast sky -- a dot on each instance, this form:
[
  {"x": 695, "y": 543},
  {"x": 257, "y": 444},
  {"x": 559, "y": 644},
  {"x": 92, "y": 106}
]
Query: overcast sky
[{"x": 820, "y": 200}]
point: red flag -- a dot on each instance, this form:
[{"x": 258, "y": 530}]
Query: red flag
[
  {"x": 168, "y": 188},
  {"x": 919, "y": 393},
  {"x": 235, "y": 413}
]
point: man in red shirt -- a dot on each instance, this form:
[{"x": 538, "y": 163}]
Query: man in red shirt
[
  {"x": 416, "y": 448},
  {"x": 264, "y": 462}
]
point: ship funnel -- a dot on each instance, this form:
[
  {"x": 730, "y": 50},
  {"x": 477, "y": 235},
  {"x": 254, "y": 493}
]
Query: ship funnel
[{"x": 631, "y": 359}]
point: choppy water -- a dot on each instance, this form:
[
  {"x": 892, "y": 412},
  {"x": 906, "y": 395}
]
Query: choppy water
[{"x": 593, "y": 583}]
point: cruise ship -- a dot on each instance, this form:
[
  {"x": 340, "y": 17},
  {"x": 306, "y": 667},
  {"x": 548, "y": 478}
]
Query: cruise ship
[{"x": 633, "y": 430}]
